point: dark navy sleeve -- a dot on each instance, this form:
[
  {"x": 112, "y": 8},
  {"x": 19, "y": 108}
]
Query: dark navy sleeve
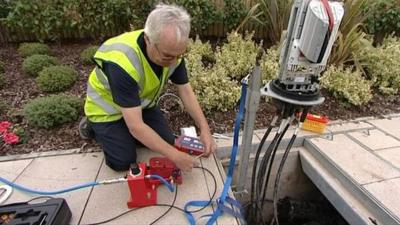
[
  {"x": 124, "y": 89},
  {"x": 180, "y": 74}
]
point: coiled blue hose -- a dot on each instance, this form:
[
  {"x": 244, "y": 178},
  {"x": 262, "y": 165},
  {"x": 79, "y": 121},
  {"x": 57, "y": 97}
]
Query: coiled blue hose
[{"x": 25, "y": 189}]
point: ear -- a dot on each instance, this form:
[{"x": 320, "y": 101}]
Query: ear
[{"x": 146, "y": 39}]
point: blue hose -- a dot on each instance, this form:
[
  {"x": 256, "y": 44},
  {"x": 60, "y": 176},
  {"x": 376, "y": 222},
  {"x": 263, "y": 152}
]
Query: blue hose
[
  {"x": 25, "y": 189},
  {"x": 165, "y": 182}
]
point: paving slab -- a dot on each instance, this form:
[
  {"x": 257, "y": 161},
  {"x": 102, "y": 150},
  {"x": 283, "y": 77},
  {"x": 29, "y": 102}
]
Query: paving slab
[
  {"x": 59, "y": 172},
  {"x": 219, "y": 174},
  {"x": 107, "y": 201},
  {"x": 333, "y": 127},
  {"x": 354, "y": 160},
  {"x": 338, "y": 127},
  {"x": 375, "y": 139},
  {"x": 224, "y": 145},
  {"x": 12, "y": 169},
  {"x": 388, "y": 193},
  {"x": 391, "y": 126},
  {"x": 342, "y": 198},
  {"x": 391, "y": 155}
]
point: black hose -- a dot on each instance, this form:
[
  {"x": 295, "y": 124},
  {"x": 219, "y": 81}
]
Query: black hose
[
  {"x": 278, "y": 176},
  {"x": 265, "y": 184},
  {"x": 282, "y": 163},
  {"x": 261, "y": 176},
  {"x": 252, "y": 209}
]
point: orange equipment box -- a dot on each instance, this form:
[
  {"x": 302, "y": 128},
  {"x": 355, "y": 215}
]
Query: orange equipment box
[{"x": 315, "y": 123}]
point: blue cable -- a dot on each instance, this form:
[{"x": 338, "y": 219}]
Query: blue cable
[
  {"x": 165, "y": 182},
  {"x": 25, "y": 189}
]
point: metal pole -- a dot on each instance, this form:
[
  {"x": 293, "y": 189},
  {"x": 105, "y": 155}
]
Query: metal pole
[{"x": 252, "y": 103}]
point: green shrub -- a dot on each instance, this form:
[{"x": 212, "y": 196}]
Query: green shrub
[
  {"x": 238, "y": 56},
  {"x": 347, "y": 85},
  {"x": 2, "y": 65},
  {"x": 270, "y": 64},
  {"x": 214, "y": 89},
  {"x": 28, "y": 49},
  {"x": 16, "y": 115},
  {"x": 35, "y": 63},
  {"x": 87, "y": 55},
  {"x": 21, "y": 133},
  {"x": 199, "y": 55},
  {"x": 382, "y": 65},
  {"x": 53, "y": 110},
  {"x": 203, "y": 13},
  {"x": 56, "y": 78},
  {"x": 52, "y": 19},
  {"x": 275, "y": 17},
  {"x": 2, "y": 80},
  {"x": 350, "y": 37},
  {"x": 141, "y": 11},
  {"x": 3, "y": 107},
  {"x": 383, "y": 18},
  {"x": 113, "y": 15},
  {"x": 4, "y": 8},
  {"x": 234, "y": 13}
]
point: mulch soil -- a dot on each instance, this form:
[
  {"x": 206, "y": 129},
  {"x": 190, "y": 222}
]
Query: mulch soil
[{"x": 20, "y": 88}]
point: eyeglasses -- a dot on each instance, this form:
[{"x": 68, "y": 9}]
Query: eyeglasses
[{"x": 165, "y": 56}]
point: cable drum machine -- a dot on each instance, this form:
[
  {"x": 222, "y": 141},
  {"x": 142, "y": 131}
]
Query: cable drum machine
[{"x": 311, "y": 33}]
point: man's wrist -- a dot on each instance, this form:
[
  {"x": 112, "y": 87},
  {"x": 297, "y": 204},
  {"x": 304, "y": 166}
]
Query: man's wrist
[
  {"x": 172, "y": 154},
  {"x": 204, "y": 127}
]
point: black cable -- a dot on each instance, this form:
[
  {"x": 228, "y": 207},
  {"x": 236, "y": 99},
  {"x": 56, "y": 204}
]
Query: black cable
[
  {"x": 263, "y": 166},
  {"x": 261, "y": 177},
  {"x": 164, "y": 205},
  {"x": 169, "y": 209},
  {"x": 118, "y": 216},
  {"x": 278, "y": 176},
  {"x": 272, "y": 161},
  {"x": 269, "y": 162},
  {"x": 252, "y": 209},
  {"x": 260, "y": 146},
  {"x": 282, "y": 163},
  {"x": 213, "y": 195}
]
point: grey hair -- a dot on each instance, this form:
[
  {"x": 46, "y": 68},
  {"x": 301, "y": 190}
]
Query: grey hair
[{"x": 167, "y": 15}]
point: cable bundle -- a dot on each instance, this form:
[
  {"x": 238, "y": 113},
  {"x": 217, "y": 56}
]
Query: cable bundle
[{"x": 261, "y": 173}]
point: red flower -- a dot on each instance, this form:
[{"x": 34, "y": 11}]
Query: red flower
[
  {"x": 4, "y": 125},
  {"x": 10, "y": 138}
]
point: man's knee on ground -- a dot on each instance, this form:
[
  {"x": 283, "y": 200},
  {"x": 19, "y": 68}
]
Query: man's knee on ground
[{"x": 120, "y": 165}]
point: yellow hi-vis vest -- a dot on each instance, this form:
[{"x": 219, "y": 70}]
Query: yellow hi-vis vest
[{"x": 124, "y": 51}]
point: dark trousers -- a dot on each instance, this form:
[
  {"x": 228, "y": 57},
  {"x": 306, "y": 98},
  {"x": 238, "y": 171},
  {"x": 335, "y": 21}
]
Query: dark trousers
[{"x": 119, "y": 146}]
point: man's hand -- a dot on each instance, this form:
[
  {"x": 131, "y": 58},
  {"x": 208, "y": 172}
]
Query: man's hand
[
  {"x": 184, "y": 161},
  {"x": 208, "y": 142},
  {"x": 193, "y": 108}
]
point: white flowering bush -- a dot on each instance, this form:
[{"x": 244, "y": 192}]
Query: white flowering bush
[
  {"x": 199, "y": 56},
  {"x": 215, "y": 90},
  {"x": 238, "y": 55},
  {"x": 270, "y": 64},
  {"x": 347, "y": 85},
  {"x": 382, "y": 65}
]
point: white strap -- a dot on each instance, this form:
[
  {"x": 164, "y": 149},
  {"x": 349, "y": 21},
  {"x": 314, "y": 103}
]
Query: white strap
[{"x": 5, "y": 193}]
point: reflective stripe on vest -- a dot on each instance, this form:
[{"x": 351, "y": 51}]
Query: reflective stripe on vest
[
  {"x": 100, "y": 101},
  {"x": 123, "y": 52},
  {"x": 97, "y": 98},
  {"x": 102, "y": 78},
  {"x": 130, "y": 54}
]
